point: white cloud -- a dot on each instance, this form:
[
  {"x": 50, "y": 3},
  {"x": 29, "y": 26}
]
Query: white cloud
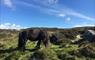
[
  {"x": 8, "y": 3},
  {"x": 10, "y": 26},
  {"x": 52, "y": 1},
  {"x": 61, "y": 15},
  {"x": 68, "y": 19},
  {"x": 83, "y": 25},
  {"x": 46, "y": 2},
  {"x": 47, "y": 5},
  {"x": 74, "y": 13},
  {"x": 54, "y": 8}
]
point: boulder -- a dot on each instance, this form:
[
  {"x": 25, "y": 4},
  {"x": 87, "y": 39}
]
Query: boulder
[{"x": 89, "y": 35}]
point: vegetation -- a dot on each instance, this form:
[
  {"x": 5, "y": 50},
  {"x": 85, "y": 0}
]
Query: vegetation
[{"x": 62, "y": 50}]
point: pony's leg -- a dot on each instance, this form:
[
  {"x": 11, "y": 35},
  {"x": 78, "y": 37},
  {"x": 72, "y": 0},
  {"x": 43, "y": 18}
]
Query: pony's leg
[
  {"x": 22, "y": 42},
  {"x": 45, "y": 42},
  {"x": 38, "y": 43}
]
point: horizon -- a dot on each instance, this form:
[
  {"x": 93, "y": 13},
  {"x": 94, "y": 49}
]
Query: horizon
[
  {"x": 45, "y": 28},
  {"x": 18, "y": 14}
]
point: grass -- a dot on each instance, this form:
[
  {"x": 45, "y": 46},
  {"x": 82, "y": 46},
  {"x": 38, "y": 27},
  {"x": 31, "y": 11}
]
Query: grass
[{"x": 64, "y": 51}]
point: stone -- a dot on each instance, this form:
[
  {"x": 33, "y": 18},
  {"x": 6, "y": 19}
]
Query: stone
[{"x": 89, "y": 35}]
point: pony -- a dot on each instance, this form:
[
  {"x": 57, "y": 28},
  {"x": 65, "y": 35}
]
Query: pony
[{"x": 33, "y": 35}]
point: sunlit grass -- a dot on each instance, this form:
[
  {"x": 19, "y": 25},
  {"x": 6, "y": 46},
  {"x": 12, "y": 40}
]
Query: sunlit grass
[{"x": 64, "y": 51}]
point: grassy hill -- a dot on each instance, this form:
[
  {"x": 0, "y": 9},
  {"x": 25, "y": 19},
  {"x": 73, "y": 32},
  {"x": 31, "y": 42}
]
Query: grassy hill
[{"x": 63, "y": 50}]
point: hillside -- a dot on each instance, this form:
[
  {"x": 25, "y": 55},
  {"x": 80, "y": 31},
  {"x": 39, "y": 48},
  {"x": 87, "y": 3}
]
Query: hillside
[{"x": 62, "y": 50}]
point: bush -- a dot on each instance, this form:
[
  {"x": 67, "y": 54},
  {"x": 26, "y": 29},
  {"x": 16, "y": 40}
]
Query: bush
[
  {"x": 88, "y": 51},
  {"x": 44, "y": 54},
  {"x": 18, "y": 55},
  {"x": 66, "y": 56}
]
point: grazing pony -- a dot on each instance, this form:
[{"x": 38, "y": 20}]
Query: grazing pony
[{"x": 33, "y": 35}]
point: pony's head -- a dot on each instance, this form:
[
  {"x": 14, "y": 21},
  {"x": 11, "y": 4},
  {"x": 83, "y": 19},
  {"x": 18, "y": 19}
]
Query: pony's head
[{"x": 53, "y": 38}]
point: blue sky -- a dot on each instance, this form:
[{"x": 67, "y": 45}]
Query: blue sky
[{"x": 47, "y": 13}]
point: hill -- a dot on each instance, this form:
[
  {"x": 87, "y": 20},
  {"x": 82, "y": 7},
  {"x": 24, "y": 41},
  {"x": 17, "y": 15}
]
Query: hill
[{"x": 63, "y": 50}]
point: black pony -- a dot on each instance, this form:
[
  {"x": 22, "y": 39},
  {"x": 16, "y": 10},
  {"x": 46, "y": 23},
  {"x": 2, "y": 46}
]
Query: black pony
[{"x": 33, "y": 35}]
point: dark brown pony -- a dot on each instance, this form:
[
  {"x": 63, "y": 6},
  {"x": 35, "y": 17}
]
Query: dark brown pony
[{"x": 33, "y": 35}]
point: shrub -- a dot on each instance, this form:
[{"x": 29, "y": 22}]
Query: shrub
[{"x": 44, "y": 54}]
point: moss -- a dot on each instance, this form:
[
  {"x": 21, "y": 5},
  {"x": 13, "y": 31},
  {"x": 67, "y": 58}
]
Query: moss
[
  {"x": 18, "y": 55},
  {"x": 45, "y": 54},
  {"x": 63, "y": 51}
]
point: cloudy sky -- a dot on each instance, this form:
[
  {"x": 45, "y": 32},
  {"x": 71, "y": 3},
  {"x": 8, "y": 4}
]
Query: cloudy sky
[{"x": 46, "y": 13}]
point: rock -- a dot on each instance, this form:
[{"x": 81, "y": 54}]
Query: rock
[{"x": 89, "y": 35}]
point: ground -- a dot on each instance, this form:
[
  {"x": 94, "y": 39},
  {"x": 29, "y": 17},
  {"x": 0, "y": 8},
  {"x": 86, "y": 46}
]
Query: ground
[{"x": 63, "y": 51}]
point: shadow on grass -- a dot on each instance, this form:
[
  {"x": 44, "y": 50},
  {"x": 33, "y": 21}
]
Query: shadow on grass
[
  {"x": 8, "y": 50},
  {"x": 31, "y": 50},
  {"x": 16, "y": 49}
]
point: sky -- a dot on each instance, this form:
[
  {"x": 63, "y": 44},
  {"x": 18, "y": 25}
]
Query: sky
[{"x": 17, "y": 14}]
